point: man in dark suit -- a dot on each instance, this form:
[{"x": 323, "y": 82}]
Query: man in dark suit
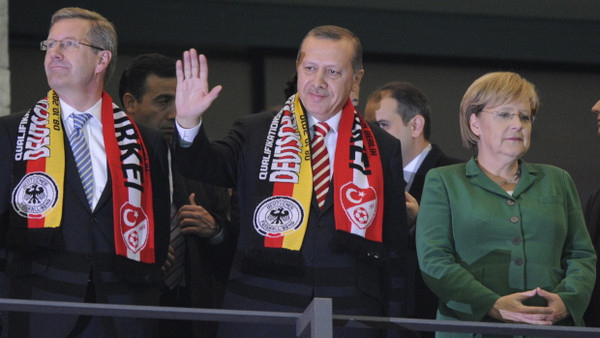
[
  {"x": 84, "y": 212},
  {"x": 147, "y": 92},
  {"x": 401, "y": 109},
  {"x": 592, "y": 220},
  {"x": 320, "y": 229}
]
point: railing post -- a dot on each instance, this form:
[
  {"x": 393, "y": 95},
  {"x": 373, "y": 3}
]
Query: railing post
[{"x": 316, "y": 320}]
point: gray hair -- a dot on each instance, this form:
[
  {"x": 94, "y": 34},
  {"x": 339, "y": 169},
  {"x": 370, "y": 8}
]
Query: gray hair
[{"x": 336, "y": 33}]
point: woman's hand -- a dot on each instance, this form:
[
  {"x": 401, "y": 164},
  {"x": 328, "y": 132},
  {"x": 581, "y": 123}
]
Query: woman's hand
[
  {"x": 510, "y": 308},
  {"x": 559, "y": 309}
]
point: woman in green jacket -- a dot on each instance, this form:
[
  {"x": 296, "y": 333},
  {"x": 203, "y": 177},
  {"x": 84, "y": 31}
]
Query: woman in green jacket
[{"x": 499, "y": 239}]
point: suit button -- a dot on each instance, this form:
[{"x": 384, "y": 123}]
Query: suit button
[
  {"x": 321, "y": 224},
  {"x": 511, "y": 202},
  {"x": 95, "y": 220},
  {"x": 517, "y": 241},
  {"x": 514, "y": 219},
  {"x": 519, "y": 262}
]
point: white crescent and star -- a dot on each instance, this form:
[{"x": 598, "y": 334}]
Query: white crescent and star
[{"x": 349, "y": 193}]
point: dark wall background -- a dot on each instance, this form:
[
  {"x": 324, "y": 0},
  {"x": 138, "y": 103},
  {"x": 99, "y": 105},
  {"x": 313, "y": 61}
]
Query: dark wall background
[{"x": 440, "y": 46}]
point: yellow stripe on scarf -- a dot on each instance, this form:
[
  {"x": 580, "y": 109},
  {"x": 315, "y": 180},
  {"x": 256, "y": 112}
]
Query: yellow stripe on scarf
[
  {"x": 55, "y": 164},
  {"x": 304, "y": 189}
]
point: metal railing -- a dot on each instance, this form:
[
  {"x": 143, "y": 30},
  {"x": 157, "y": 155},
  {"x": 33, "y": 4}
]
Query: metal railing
[{"x": 316, "y": 321}]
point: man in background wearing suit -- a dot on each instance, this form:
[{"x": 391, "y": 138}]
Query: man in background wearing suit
[
  {"x": 316, "y": 220},
  {"x": 200, "y": 210},
  {"x": 82, "y": 195},
  {"x": 402, "y": 110},
  {"x": 592, "y": 220}
]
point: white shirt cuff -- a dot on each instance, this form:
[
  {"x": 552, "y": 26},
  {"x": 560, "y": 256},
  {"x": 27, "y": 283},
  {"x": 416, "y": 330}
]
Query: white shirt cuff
[{"x": 187, "y": 136}]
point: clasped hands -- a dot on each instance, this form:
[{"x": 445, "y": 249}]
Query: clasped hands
[{"x": 510, "y": 308}]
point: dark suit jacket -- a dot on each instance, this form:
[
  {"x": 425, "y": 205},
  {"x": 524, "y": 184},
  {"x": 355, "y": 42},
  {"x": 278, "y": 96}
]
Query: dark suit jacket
[
  {"x": 434, "y": 159},
  {"x": 206, "y": 265},
  {"x": 592, "y": 219},
  {"x": 356, "y": 285},
  {"x": 425, "y": 301},
  {"x": 88, "y": 251}
]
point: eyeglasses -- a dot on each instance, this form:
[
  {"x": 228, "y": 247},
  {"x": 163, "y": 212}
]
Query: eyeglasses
[
  {"x": 506, "y": 116},
  {"x": 65, "y": 44}
]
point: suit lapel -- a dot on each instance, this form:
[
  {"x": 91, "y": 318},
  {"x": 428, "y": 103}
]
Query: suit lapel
[{"x": 107, "y": 193}]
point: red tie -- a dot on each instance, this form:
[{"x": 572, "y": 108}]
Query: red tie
[{"x": 320, "y": 158}]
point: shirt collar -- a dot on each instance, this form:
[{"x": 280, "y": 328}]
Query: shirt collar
[
  {"x": 414, "y": 165},
  {"x": 95, "y": 110},
  {"x": 333, "y": 122}
]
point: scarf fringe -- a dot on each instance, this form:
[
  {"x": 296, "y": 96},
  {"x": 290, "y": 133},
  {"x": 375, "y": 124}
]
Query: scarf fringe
[
  {"x": 274, "y": 260},
  {"x": 283, "y": 261},
  {"x": 138, "y": 273},
  {"x": 34, "y": 240},
  {"x": 369, "y": 251}
]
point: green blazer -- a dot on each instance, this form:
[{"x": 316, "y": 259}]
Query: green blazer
[{"x": 476, "y": 242}]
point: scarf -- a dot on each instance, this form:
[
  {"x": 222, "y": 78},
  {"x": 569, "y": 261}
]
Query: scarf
[
  {"x": 37, "y": 182},
  {"x": 286, "y": 177}
]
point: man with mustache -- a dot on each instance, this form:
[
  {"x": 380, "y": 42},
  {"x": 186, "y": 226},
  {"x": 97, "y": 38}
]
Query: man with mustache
[{"x": 321, "y": 191}]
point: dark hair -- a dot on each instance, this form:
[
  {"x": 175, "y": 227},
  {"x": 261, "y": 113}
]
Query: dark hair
[
  {"x": 291, "y": 86},
  {"x": 133, "y": 79},
  {"x": 411, "y": 102},
  {"x": 336, "y": 33}
]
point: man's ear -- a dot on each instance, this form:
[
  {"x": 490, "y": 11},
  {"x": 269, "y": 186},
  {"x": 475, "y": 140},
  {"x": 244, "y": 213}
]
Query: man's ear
[
  {"x": 130, "y": 103},
  {"x": 417, "y": 124},
  {"x": 104, "y": 59},
  {"x": 357, "y": 78}
]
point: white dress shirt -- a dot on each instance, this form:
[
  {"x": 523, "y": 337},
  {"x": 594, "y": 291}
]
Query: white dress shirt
[
  {"x": 95, "y": 140},
  {"x": 411, "y": 169}
]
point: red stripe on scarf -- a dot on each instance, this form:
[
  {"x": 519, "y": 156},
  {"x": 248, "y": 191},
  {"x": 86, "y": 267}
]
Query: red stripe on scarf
[
  {"x": 121, "y": 197},
  {"x": 369, "y": 184},
  {"x": 279, "y": 189},
  {"x": 33, "y": 166}
]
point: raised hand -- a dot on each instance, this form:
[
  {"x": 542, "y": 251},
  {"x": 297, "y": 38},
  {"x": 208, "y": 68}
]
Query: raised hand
[{"x": 192, "y": 96}]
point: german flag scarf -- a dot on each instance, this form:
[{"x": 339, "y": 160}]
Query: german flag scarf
[
  {"x": 281, "y": 217},
  {"x": 39, "y": 173}
]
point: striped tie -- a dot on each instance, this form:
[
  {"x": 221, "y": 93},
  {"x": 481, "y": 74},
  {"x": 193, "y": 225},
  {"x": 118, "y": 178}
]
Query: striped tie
[
  {"x": 175, "y": 273},
  {"x": 82, "y": 154},
  {"x": 320, "y": 160}
]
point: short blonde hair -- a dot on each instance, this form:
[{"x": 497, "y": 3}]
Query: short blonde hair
[{"x": 490, "y": 90}]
